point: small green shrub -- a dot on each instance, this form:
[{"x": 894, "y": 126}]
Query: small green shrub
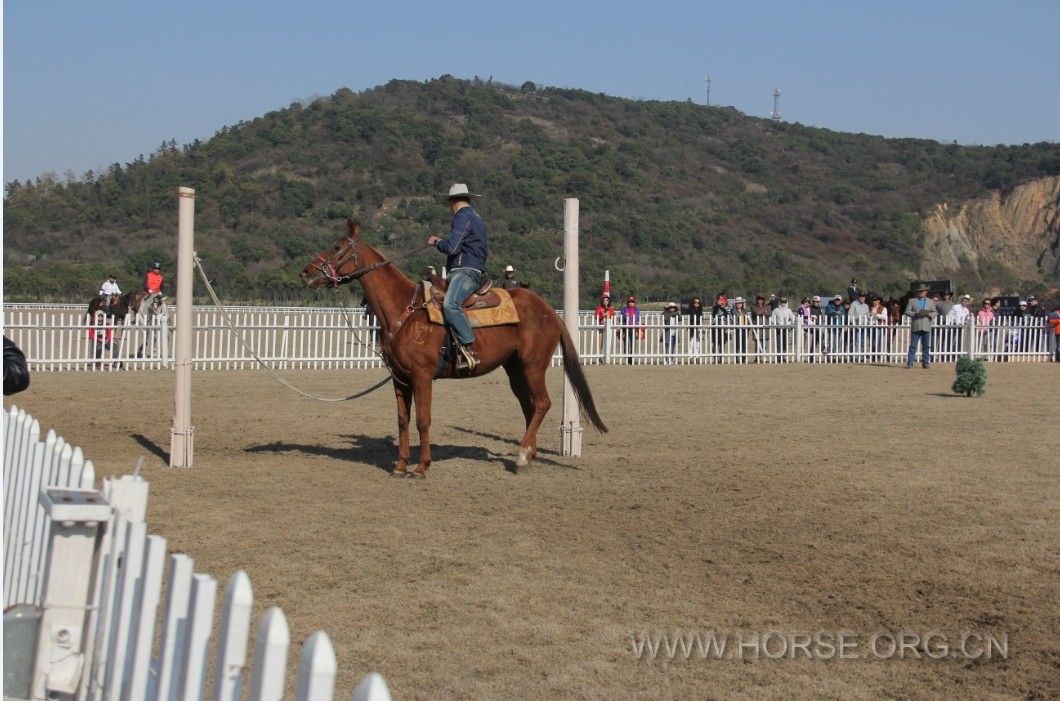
[{"x": 971, "y": 377}]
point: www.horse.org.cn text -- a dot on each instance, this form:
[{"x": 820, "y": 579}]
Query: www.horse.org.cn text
[{"x": 743, "y": 645}]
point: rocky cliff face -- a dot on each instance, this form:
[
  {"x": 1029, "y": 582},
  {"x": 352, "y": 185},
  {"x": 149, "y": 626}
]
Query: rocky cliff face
[{"x": 998, "y": 240}]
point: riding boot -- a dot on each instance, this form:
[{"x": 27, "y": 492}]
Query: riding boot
[{"x": 467, "y": 358}]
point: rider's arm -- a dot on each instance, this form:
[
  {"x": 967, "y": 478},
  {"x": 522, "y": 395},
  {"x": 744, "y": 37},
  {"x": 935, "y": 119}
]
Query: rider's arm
[{"x": 460, "y": 229}]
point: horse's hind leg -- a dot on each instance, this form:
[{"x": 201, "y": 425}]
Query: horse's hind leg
[
  {"x": 517, "y": 382},
  {"x": 536, "y": 394}
]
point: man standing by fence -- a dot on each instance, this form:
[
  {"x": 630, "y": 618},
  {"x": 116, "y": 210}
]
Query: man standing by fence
[
  {"x": 858, "y": 317},
  {"x": 784, "y": 319},
  {"x": 922, "y": 311}
]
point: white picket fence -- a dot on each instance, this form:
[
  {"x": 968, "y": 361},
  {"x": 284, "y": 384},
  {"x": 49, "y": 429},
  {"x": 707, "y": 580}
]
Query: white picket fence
[
  {"x": 653, "y": 341},
  {"x": 30, "y": 463},
  {"x": 98, "y": 577},
  {"x": 310, "y": 338}
]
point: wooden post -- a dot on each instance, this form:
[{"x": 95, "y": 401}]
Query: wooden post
[
  {"x": 76, "y": 517},
  {"x": 182, "y": 435},
  {"x": 570, "y": 431}
]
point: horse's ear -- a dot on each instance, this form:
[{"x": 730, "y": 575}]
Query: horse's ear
[{"x": 352, "y": 225}]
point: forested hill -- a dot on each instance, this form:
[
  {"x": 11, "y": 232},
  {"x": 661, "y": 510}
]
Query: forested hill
[{"x": 676, "y": 198}]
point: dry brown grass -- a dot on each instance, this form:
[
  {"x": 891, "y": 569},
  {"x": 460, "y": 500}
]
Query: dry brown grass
[{"x": 738, "y": 498}]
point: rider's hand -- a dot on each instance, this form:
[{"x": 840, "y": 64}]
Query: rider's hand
[{"x": 431, "y": 240}]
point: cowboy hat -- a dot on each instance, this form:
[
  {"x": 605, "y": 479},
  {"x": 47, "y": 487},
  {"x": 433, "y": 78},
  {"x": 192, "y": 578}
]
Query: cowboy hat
[
  {"x": 460, "y": 190},
  {"x": 923, "y": 288},
  {"x": 509, "y": 269},
  {"x": 671, "y": 305}
]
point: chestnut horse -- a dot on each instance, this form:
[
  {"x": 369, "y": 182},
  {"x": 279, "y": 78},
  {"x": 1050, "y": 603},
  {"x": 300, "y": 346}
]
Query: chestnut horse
[{"x": 411, "y": 345}]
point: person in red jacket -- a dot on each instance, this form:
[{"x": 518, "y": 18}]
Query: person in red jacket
[
  {"x": 1054, "y": 321},
  {"x": 153, "y": 278},
  {"x": 100, "y": 335},
  {"x": 604, "y": 310}
]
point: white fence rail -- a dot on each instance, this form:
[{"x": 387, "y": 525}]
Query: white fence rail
[
  {"x": 99, "y": 580},
  {"x": 310, "y": 338}
]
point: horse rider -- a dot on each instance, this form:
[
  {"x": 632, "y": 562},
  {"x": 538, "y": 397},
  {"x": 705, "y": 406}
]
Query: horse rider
[
  {"x": 109, "y": 291},
  {"x": 509, "y": 282},
  {"x": 153, "y": 279},
  {"x": 466, "y": 250}
]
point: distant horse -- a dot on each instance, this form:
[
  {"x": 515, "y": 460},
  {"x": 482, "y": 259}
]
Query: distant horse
[
  {"x": 118, "y": 308},
  {"x": 121, "y": 305},
  {"x": 411, "y": 345},
  {"x": 150, "y": 310}
]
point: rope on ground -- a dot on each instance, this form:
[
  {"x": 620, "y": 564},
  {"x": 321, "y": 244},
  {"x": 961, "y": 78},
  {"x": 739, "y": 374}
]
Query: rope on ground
[{"x": 262, "y": 363}]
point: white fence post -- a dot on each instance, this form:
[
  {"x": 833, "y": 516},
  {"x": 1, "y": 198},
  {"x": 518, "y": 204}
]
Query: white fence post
[
  {"x": 316, "y": 669},
  {"x": 197, "y": 644},
  {"x": 182, "y": 435},
  {"x": 570, "y": 430},
  {"x": 372, "y": 688},
  {"x": 175, "y": 628},
  {"x": 270, "y": 657},
  {"x": 232, "y": 640},
  {"x": 76, "y": 517},
  {"x": 150, "y": 590}
]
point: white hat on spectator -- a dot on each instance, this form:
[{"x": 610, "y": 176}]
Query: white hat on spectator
[
  {"x": 964, "y": 297},
  {"x": 509, "y": 269},
  {"x": 816, "y": 298},
  {"x": 671, "y": 305},
  {"x": 738, "y": 300}
]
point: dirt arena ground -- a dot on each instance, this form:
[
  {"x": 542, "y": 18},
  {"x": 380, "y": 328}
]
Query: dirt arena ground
[{"x": 739, "y": 499}]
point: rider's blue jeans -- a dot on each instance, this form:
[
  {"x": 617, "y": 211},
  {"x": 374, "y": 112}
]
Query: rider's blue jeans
[{"x": 462, "y": 282}]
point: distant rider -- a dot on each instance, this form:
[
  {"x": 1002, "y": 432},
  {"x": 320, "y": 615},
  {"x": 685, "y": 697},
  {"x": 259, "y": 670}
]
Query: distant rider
[
  {"x": 109, "y": 291},
  {"x": 153, "y": 279}
]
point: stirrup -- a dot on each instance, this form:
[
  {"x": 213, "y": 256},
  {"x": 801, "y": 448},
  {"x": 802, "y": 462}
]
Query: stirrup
[{"x": 468, "y": 359}]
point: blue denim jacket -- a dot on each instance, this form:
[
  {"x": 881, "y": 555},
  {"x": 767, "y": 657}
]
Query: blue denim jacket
[{"x": 465, "y": 245}]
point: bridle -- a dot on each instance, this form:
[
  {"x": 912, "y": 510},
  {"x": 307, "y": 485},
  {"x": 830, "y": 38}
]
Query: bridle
[{"x": 328, "y": 266}]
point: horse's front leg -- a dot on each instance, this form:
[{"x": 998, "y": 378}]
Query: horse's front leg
[
  {"x": 422, "y": 391},
  {"x": 403, "y": 394}
]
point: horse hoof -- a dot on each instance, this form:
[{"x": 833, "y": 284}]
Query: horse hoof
[
  {"x": 523, "y": 461},
  {"x": 418, "y": 475},
  {"x": 399, "y": 473}
]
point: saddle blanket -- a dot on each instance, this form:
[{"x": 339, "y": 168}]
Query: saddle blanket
[{"x": 503, "y": 313}]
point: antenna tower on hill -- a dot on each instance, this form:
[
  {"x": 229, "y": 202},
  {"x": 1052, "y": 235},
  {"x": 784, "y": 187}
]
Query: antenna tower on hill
[
  {"x": 708, "y": 90},
  {"x": 776, "y": 104}
]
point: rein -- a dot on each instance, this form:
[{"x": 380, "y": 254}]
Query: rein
[
  {"x": 262, "y": 363},
  {"x": 328, "y": 268}
]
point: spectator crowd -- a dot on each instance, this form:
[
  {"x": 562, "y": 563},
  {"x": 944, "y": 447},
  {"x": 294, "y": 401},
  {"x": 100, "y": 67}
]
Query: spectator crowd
[{"x": 858, "y": 326}]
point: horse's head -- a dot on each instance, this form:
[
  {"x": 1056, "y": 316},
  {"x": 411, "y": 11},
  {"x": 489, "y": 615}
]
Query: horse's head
[{"x": 334, "y": 265}]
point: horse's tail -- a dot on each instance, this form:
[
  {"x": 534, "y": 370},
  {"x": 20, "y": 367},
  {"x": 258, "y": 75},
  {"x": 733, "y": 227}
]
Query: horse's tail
[{"x": 572, "y": 366}]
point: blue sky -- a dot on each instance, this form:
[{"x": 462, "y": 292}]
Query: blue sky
[{"x": 91, "y": 83}]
